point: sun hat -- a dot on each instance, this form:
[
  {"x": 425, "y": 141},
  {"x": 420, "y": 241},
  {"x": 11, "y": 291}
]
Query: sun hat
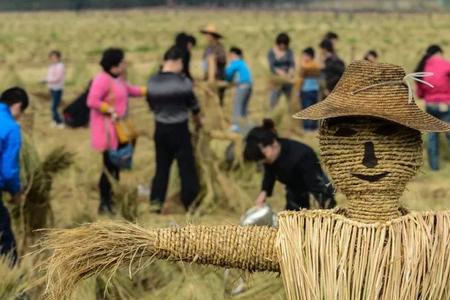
[
  {"x": 378, "y": 90},
  {"x": 211, "y": 29}
]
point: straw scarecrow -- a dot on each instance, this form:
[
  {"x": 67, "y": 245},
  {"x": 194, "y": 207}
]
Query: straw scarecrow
[{"x": 371, "y": 249}]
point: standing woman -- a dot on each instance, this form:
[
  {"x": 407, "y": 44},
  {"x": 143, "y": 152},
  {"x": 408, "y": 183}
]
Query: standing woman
[
  {"x": 108, "y": 101},
  {"x": 437, "y": 99},
  {"x": 214, "y": 58},
  {"x": 281, "y": 63}
]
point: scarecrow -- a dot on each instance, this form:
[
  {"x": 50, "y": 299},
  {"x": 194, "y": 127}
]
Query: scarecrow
[{"x": 371, "y": 249}]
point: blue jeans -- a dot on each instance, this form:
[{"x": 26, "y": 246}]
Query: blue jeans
[
  {"x": 56, "y": 100},
  {"x": 7, "y": 240},
  {"x": 241, "y": 99},
  {"x": 433, "y": 137},
  {"x": 277, "y": 92},
  {"x": 307, "y": 99}
]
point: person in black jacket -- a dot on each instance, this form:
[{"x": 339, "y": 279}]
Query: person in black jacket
[
  {"x": 333, "y": 66},
  {"x": 171, "y": 98},
  {"x": 185, "y": 42},
  {"x": 292, "y": 163}
]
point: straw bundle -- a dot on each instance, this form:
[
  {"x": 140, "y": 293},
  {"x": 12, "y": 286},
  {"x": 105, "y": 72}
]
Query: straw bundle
[
  {"x": 35, "y": 212},
  {"x": 324, "y": 255},
  {"x": 89, "y": 250}
]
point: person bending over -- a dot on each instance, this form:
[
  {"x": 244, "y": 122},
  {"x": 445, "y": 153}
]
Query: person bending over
[
  {"x": 292, "y": 163},
  {"x": 13, "y": 103},
  {"x": 171, "y": 97}
]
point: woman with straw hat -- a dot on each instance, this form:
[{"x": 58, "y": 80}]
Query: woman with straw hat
[
  {"x": 214, "y": 58},
  {"x": 371, "y": 249}
]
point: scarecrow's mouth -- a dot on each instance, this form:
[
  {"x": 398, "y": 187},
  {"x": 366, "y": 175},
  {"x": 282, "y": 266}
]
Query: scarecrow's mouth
[{"x": 371, "y": 178}]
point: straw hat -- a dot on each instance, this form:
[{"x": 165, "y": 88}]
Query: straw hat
[
  {"x": 376, "y": 90},
  {"x": 211, "y": 29}
]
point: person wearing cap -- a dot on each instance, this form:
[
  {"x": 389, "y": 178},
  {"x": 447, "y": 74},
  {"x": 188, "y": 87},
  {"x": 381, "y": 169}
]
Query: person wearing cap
[
  {"x": 214, "y": 58},
  {"x": 437, "y": 98},
  {"x": 281, "y": 63},
  {"x": 171, "y": 98},
  {"x": 108, "y": 100},
  {"x": 292, "y": 163},
  {"x": 13, "y": 103},
  {"x": 333, "y": 66},
  {"x": 239, "y": 72}
]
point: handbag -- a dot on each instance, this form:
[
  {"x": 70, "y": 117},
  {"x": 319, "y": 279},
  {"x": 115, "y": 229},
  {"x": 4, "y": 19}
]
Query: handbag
[
  {"x": 125, "y": 130},
  {"x": 122, "y": 157}
]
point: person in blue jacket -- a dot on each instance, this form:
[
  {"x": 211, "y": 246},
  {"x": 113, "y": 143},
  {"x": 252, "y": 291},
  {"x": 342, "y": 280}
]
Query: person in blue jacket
[
  {"x": 13, "y": 103},
  {"x": 238, "y": 72}
]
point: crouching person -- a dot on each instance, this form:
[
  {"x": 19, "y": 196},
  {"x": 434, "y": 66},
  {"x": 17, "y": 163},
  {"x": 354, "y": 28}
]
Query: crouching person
[
  {"x": 292, "y": 163},
  {"x": 13, "y": 103},
  {"x": 171, "y": 97}
]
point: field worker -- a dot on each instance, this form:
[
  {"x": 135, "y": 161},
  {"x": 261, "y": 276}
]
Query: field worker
[
  {"x": 108, "y": 102},
  {"x": 55, "y": 83},
  {"x": 333, "y": 37},
  {"x": 13, "y": 103},
  {"x": 436, "y": 95},
  {"x": 292, "y": 163},
  {"x": 186, "y": 42},
  {"x": 281, "y": 63},
  {"x": 239, "y": 72},
  {"x": 371, "y": 56},
  {"x": 171, "y": 98},
  {"x": 309, "y": 84},
  {"x": 214, "y": 58},
  {"x": 333, "y": 66}
]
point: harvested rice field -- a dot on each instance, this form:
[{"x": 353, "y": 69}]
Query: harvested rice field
[{"x": 62, "y": 171}]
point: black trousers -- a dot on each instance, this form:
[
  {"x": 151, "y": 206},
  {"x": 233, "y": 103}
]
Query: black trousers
[
  {"x": 296, "y": 200},
  {"x": 7, "y": 240},
  {"x": 104, "y": 184},
  {"x": 173, "y": 142}
]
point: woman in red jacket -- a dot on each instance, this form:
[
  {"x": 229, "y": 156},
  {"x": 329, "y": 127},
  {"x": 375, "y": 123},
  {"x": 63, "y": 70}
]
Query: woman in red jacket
[{"x": 437, "y": 99}]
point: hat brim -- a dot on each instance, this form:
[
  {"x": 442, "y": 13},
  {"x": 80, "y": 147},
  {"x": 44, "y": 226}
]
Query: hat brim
[
  {"x": 410, "y": 116},
  {"x": 217, "y": 35}
]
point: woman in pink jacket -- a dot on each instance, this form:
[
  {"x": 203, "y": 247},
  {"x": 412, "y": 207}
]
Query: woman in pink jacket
[
  {"x": 108, "y": 99},
  {"x": 437, "y": 99}
]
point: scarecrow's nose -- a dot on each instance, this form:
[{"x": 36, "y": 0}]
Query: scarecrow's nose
[{"x": 369, "y": 160}]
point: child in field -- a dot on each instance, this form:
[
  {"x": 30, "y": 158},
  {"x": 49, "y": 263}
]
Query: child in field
[
  {"x": 239, "y": 72},
  {"x": 309, "y": 84},
  {"x": 55, "y": 84},
  {"x": 13, "y": 103}
]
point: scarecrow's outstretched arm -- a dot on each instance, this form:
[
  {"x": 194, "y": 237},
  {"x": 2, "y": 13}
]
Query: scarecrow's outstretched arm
[{"x": 88, "y": 250}]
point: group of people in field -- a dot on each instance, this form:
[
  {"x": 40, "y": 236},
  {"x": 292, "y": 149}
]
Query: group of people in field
[{"x": 171, "y": 98}]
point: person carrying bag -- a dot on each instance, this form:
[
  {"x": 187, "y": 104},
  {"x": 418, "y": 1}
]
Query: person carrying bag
[{"x": 111, "y": 132}]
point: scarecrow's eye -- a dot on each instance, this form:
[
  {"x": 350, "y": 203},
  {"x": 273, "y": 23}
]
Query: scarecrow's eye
[
  {"x": 387, "y": 130},
  {"x": 345, "y": 131}
]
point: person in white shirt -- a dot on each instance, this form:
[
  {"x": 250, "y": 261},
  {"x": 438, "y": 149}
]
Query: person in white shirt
[{"x": 55, "y": 84}]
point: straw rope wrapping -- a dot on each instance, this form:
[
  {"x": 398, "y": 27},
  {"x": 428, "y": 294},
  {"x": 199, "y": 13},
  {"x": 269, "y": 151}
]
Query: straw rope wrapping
[
  {"x": 324, "y": 255},
  {"x": 89, "y": 250},
  {"x": 398, "y": 154}
]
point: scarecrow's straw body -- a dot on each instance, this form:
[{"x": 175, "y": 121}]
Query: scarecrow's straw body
[
  {"x": 91, "y": 249},
  {"x": 324, "y": 255}
]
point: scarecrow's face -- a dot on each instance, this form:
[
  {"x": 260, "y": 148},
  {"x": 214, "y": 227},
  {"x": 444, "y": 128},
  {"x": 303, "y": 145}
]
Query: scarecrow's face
[{"x": 368, "y": 155}]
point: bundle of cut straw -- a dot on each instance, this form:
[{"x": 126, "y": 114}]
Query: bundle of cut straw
[{"x": 92, "y": 249}]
